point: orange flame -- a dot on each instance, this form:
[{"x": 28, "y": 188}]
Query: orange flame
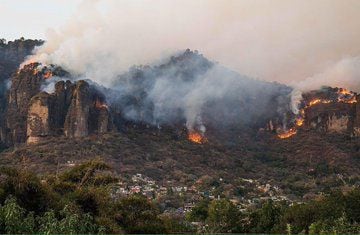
[
  {"x": 48, "y": 74},
  {"x": 288, "y": 133},
  {"x": 300, "y": 121},
  {"x": 344, "y": 96},
  {"x": 344, "y": 91},
  {"x": 351, "y": 101},
  {"x": 196, "y": 137},
  {"x": 317, "y": 101}
]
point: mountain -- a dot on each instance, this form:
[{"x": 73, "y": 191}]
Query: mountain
[{"x": 187, "y": 121}]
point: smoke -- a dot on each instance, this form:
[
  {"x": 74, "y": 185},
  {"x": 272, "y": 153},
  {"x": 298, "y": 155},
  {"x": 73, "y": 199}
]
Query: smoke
[
  {"x": 284, "y": 41},
  {"x": 344, "y": 74},
  {"x": 190, "y": 89}
]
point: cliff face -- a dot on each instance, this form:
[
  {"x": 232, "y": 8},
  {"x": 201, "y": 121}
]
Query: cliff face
[
  {"x": 332, "y": 117},
  {"x": 88, "y": 112},
  {"x": 25, "y": 84},
  {"x": 73, "y": 109}
]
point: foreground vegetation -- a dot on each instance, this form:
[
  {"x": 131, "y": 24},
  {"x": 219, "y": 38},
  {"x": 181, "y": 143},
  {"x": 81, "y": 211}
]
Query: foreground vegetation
[{"x": 81, "y": 200}]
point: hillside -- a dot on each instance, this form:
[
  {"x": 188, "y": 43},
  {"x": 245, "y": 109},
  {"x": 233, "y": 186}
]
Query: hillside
[{"x": 308, "y": 163}]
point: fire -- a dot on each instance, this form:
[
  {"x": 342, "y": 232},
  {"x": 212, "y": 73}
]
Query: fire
[
  {"x": 300, "y": 121},
  {"x": 351, "y": 101},
  {"x": 48, "y": 74},
  {"x": 196, "y": 137},
  {"x": 100, "y": 105},
  {"x": 344, "y": 91},
  {"x": 288, "y": 133},
  {"x": 317, "y": 101},
  {"x": 344, "y": 96}
]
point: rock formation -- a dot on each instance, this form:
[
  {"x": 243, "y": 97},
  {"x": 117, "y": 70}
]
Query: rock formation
[
  {"x": 25, "y": 84},
  {"x": 331, "y": 117},
  {"x": 73, "y": 109}
]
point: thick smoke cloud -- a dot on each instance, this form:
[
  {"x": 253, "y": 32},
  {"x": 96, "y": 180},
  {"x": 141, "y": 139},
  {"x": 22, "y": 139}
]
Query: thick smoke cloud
[
  {"x": 294, "y": 42},
  {"x": 345, "y": 73},
  {"x": 285, "y": 41},
  {"x": 190, "y": 89}
]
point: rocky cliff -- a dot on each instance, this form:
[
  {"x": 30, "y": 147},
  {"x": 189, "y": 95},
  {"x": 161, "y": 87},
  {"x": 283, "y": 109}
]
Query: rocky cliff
[
  {"x": 12, "y": 54},
  {"x": 73, "y": 109}
]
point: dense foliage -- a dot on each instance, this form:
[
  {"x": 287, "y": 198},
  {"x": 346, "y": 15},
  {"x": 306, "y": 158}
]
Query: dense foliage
[{"x": 81, "y": 201}]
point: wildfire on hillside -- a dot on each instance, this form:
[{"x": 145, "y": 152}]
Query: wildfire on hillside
[
  {"x": 196, "y": 137},
  {"x": 288, "y": 133},
  {"x": 343, "y": 95},
  {"x": 346, "y": 96}
]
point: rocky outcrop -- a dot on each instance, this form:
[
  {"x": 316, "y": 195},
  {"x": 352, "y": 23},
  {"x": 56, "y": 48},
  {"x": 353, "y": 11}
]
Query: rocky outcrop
[
  {"x": 88, "y": 112},
  {"x": 331, "y": 117},
  {"x": 25, "y": 84},
  {"x": 73, "y": 109}
]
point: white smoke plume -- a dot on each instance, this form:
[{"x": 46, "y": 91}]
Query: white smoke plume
[
  {"x": 345, "y": 74},
  {"x": 284, "y": 41},
  {"x": 273, "y": 41}
]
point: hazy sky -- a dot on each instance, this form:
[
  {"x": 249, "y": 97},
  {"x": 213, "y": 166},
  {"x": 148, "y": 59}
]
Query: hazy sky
[
  {"x": 31, "y": 18},
  {"x": 282, "y": 40}
]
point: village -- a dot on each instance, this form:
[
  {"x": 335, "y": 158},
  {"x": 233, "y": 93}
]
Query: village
[{"x": 181, "y": 199}]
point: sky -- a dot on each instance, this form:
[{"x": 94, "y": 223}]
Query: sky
[
  {"x": 276, "y": 40},
  {"x": 31, "y": 18}
]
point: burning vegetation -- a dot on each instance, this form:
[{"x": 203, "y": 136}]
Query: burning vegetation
[
  {"x": 48, "y": 74},
  {"x": 196, "y": 137},
  {"x": 331, "y": 95},
  {"x": 288, "y": 133}
]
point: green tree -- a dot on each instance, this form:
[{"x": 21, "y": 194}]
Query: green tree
[
  {"x": 223, "y": 217},
  {"x": 200, "y": 212},
  {"x": 70, "y": 222},
  {"x": 26, "y": 187},
  {"x": 266, "y": 219},
  {"x": 300, "y": 216},
  {"x": 352, "y": 206},
  {"x": 137, "y": 215},
  {"x": 14, "y": 218}
]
